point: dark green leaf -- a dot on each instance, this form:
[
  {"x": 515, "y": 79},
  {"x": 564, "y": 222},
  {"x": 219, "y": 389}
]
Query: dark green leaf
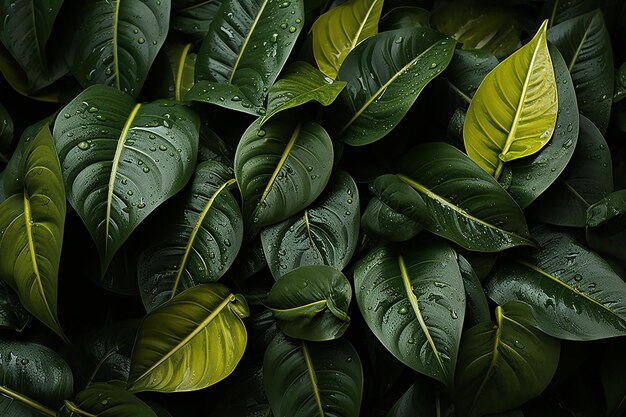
[
  {"x": 574, "y": 293},
  {"x": 281, "y": 168},
  {"x": 467, "y": 70},
  {"x": 311, "y": 303},
  {"x": 559, "y": 11},
  {"x": 505, "y": 363},
  {"x": 196, "y": 242},
  {"x": 606, "y": 225},
  {"x": 13, "y": 315},
  {"x": 404, "y": 17},
  {"x": 313, "y": 379},
  {"x": 385, "y": 74},
  {"x": 465, "y": 204},
  {"x": 477, "y": 305},
  {"x": 194, "y": 17},
  {"x": 106, "y": 400},
  {"x": 325, "y": 233},
  {"x": 412, "y": 299},
  {"x": 183, "y": 62},
  {"x": 122, "y": 159},
  {"x": 115, "y": 42},
  {"x": 244, "y": 51},
  {"x": 585, "y": 44},
  {"x": 396, "y": 212},
  {"x": 6, "y": 129}
]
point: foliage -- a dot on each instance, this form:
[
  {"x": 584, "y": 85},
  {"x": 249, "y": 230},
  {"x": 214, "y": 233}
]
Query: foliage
[{"x": 299, "y": 208}]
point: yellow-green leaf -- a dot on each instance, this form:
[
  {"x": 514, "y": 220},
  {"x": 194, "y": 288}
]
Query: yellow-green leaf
[
  {"x": 340, "y": 30},
  {"x": 513, "y": 113},
  {"x": 192, "y": 341}
]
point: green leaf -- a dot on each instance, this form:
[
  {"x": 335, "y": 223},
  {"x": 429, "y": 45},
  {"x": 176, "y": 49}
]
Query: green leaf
[
  {"x": 115, "y": 42},
  {"x": 585, "y": 44},
  {"x": 505, "y": 363},
  {"x": 300, "y": 84},
  {"x": 479, "y": 25},
  {"x": 385, "y": 74},
  {"x": 313, "y": 379},
  {"x": 413, "y": 301},
  {"x": 606, "y": 225},
  {"x": 325, "y": 233},
  {"x": 281, "y": 168},
  {"x": 405, "y": 17},
  {"x": 396, "y": 212},
  {"x": 587, "y": 179},
  {"x": 244, "y": 51},
  {"x": 194, "y": 17},
  {"x": 183, "y": 62},
  {"x": 513, "y": 113},
  {"x": 464, "y": 203},
  {"x": 620, "y": 83},
  {"x": 13, "y": 315},
  {"x": 574, "y": 294},
  {"x": 337, "y": 32},
  {"x": 33, "y": 375},
  {"x": 244, "y": 398},
  {"x": 311, "y": 303},
  {"x": 6, "y": 129},
  {"x": 106, "y": 400},
  {"x": 529, "y": 177},
  {"x": 197, "y": 241},
  {"x": 190, "y": 342},
  {"x": 126, "y": 160},
  {"x": 467, "y": 70},
  {"x": 558, "y": 11},
  {"x": 32, "y": 219},
  {"x": 476, "y": 300},
  {"x": 25, "y": 31}
]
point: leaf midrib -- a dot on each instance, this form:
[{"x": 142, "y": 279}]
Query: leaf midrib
[
  {"x": 579, "y": 47},
  {"x": 179, "y": 73},
  {"x": 75, "y": 409},
  {"x": 246, "y": 41},
  {"x": 355, "y": 40},
  {"x": 116, "y": 61},
  {"x": 313, "y": 378},
  {"x": 27, "y": 401}
]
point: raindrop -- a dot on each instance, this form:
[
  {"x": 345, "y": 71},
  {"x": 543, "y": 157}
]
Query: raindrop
[
  {"x": 163, "y": 148},
  {"x": 274, "y": 38},
  {"x": 292, "y": 29},
  {"x": 578, "y": 277},
  {"x": 403, "y": 311},
  {"x": 518, "y": 344},
  {"x": 146, "y": 170},
  {"x": 141, "y": 40},
  {"x": 83, "y": 146},
  {"x": 141, "y": 205}
]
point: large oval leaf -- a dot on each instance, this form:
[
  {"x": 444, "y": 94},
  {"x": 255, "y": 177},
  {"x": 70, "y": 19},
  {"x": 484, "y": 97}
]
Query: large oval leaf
[
  {"x": 122, "y": 159},
  {"x": 190, "y": 342},
  {"x": 513, "y": 113},
  {"x": 281, "y": 168},
  {"x": 587, "y": 179},
  {"x": 32, "y": 372},
  {"x": 479, "y": 25},
  {"x": 311, "y": 303},
  {"x": 467, "y": 69},
  {"x": 413, "y": 301},
  {"x": 574, "y": 293},
  {"x": 325, "y": 233},
  {"x": 116, "y": 42},
  {"x": 106, "y": 400},
  {"x": 464, "y": 203},
  {"x": 24, "y": 31},
  {"x": 421, "y": 399},
  {"x": 197, "y": 241},
  {"x": 527, "y": 178},
  {"x": 385, "y": 74},
  {"x": 305, "y": 379},
  {"x": 504, "y": 364},
  {"x": 300, "y": 84},
  {"x": 31, "y": 227},
  {"x": 585, "y": 44},
  {"x": 247, "y": 45},
  {"x": 340, "y": 30}
]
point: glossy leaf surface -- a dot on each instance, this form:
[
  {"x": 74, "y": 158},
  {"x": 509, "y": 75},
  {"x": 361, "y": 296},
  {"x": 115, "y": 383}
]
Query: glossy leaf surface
[{"x": 106, "y": 400}]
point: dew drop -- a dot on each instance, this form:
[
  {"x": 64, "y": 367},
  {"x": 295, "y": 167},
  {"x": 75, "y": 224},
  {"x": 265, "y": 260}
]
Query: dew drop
[
  {"x": 146, "y": 169},
  {"x": 83, "y": 145},
  {"x": 141, "y": 40}
]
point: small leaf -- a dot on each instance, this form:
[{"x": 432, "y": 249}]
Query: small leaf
[
  {"x": 504, "y": 364},
  {"x": 385, "y": 74},
  {"x": 574, "y": 294},
  {"x": 337, "y": 32},
  {"x": 281, "y": 168},
  {"x": 116, "y": 42},
  {"x": 413, "y": 301},
  {"x": 32, "y": 219},
  {"x": 313, "y": 379},
  {"x": 300, "y": 84},
  {"x": 122, "y": 159},
  {"x": 585, "y": 44},
  {"x": 513, "y": 113},
  {"x": 464, "y": 203},
  {"x": 325, "y": 233},
  {"x": 190, "y": 342}
]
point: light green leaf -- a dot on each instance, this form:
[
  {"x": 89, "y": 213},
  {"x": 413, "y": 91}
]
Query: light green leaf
[
  {"x": 300, "y": 84},
  {"x": 190, "y": 342},
  {"x": 183, "y": 62},
  {"x": 505, "y": 363},
  {"x": 337, "y": 32},
  {"x": 412, "y": 299},
  {"x": 126, "y": 160},
  {"x": 385, "y": 74},
  {"x": 513, "y": 113},
  {"x": 32, "y": 219},
  {"x": 281, "y": 168}
]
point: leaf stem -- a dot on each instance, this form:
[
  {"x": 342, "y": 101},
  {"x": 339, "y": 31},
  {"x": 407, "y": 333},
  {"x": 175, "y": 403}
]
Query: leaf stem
[{"x": 28, "y": 401}]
